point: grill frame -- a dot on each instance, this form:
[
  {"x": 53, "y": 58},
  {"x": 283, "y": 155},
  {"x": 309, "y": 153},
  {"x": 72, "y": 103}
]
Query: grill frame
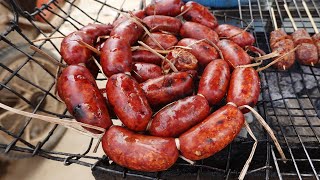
[{"x": 270, "y": 167}]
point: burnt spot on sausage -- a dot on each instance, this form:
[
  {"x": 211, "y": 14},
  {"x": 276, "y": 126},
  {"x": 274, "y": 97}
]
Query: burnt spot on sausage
[
  {"x": 78, "y": 111},
  {"x": 167, "y": 82},
  {"x": 220, "y": 122}
]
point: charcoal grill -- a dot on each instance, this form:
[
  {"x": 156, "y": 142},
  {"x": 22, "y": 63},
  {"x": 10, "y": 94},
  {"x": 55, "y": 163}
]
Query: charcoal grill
[{"x": 289, "y": 101}]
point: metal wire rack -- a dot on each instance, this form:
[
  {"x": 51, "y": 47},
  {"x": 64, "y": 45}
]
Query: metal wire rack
[{"x": 290, "y": 101}]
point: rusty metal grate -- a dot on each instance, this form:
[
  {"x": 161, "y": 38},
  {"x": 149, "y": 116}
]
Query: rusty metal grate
[{"x": 290, "y": 101}]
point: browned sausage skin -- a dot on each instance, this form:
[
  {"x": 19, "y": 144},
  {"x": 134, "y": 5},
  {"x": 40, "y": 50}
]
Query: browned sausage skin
[
  {"x": 78, "y": 89},
  {"x": 165, "y": 40},
  {"x": 74, "y": 53},
  {"x": 306, "y": 53},
  {"x": 116, "y": 56},
  {"x": 128, "y": 30},
  {"x": 235, "y": 34},
  {"x": 213, "y": 134},
  {"x": 144, "y": 71},
  {"x": 316, "y": 41},
  {"x": 199, "y": 14},
  {"x": 139, "y": 152},
  {"x": 201, "y": 50},
  {"x": 182, "y": 59},
  {"x": 163, "y": 23},
  {"x": 146, "y": 56},
  {"x": 198, "y": 31},
  {"x": 233, "y": 53},
  {"x": 164, "y": 7},
  {"x": 128, "y": 101},
  {"x": 179, "y": 116},
  {"x": 214, "y": 81},
  {"x": 167, "y": 88},
  {"x": 244, "y": 87}
]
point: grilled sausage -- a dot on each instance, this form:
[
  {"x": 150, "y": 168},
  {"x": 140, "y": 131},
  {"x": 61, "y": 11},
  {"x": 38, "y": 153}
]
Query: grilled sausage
[
  {"x": 167, "y": 88},
  {"x": 235, "y": 34},
  {"x": 213, "y": 134},
  {"x": 201, "y": 50},
  {"x": 278, "y": 35},
  {"x": 128, "y": 101},
  {"x": 316, "y": 41},
  {"x": 164, "y": 7},
  {"x": 233, "y": 53},
  {"x": 306, "y": 53},
  {"x": 179, "y": 116},
  {"x": 145, "y": 71},
  {"x": 165, "y": 40},
  {"x": 163, "y": 23},
  {"x": 146, "y": 56},
  {"x": 244, "y": 87},
  {"x": 128, "y": 30},
  {"x": 182, "y": 59},
  {"x": 74, "y": 53},
  {"x": 78, "y": 89},
  {"x": 198, "y": 31},
  {"x": 283, "y": 47},
  {"x": 139, "y": 152},
  {"x": 199, "y": 14},
  {"x": 116, "y": 56},
  {"x": 214, "y": 81}
]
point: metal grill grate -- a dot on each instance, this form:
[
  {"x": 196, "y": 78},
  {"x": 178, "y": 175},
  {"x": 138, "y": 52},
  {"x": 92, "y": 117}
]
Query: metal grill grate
[{"x": 290, "y": 101}]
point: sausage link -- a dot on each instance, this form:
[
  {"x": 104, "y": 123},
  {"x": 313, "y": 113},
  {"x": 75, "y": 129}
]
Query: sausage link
[
  {"x": 213, "y": 134},
  {"x": 316, "y": 41},
  {"x": 163, "y": 23},
  {"x": 128, "y": 101},
  {"x": 179, "y": 116},
  {"x": 307, "y": 54},
  {"x": 145, "y": 71},
  {"x": 116, "y": 56},
  {"x": 128, "y": 30},
  {"x": 198, "y": 31},
  {"x": 236, "y": 34},
  {"x": 139, "y": 152},
  {"x": 214, "y": 81},
  {"x": 244, "y": 87},
  {"x": 199, "y": 14},
  {"x": 165, "y": 40},
  {"x": 146, "y": 56},
  {"x": 182, "y": 59},
  {"x": 201, "y": 50},
  {"x": 167, "y": 88},
  {"x": 278, "y": 35},
  {"x": 233, "y": 53},
  {"x": 164, "y": 7},
  {"x": 283, "y": 47},
  {"x": 78, "y": 89},
  {"x": 301, "y": 36}
]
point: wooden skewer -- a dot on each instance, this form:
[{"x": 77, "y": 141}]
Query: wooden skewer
[
  {"x": 310, "y": 17},
  {"x": 290, "y": 17},
  {"x": 54, "y": 61},
  {"x": 275, "y": 25},
  {"x": 89, "y": 47}
]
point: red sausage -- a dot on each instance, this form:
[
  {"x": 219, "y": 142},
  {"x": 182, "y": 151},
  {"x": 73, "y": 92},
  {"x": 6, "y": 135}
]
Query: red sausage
[
  {"x": 146, "y": 56},
  {"x": 164, "y": 7},
  {"x": 214, "y": 81},
  {"x": 165, "y": 40},
  {"x": 163, "y": 23},
  {"x": 199, "y": 14},
  {"x": 167, "y": 88},
  {"x": 139, "y": 14},
  {"x": 116, "y": 56},
  {"x": 236, "y": 34},
  {"x": 74, "y": 53},
  {"x": 139, "y": 152},
  {"x": 198, "y": 31},
  {"x": 78, "y": 89},
  {"x": 213, "y": 134},
  {"x": 301, "y": 36},
  {"x": 128, "y": 30},
  {"x": 244, "y": 87},
  {"x": 128, "y": 101},
  {"x": 283, "y": 47},
  {"x": 145, "y": 71},
  {"x": 201, "y": 50},
  {"x": 233, "y": 53},
  {"x": 182, "y": 59},
  {"x": 179, "y": 116},
  {"x": 316, "y": 41}
]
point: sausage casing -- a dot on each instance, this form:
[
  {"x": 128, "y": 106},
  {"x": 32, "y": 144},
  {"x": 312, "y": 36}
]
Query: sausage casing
[
  {"x": 213, "y": 134},
  {"x": 163, "y": 23},
  {"x": 139, "y": 152},
  {"x": 145, "y": 71},
  {"x": 198, "y": 31},
  {"x": 165, "y": 40},
  {"x": 164, "y": 7},
  {"x": 128, "y": 101}
]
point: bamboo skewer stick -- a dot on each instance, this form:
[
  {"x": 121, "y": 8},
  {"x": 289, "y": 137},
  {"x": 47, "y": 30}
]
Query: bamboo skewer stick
[
  {"x": 290, "y": 16},
  {"x": 273, "y": 18},
  {"x": 310, "y": 17}
]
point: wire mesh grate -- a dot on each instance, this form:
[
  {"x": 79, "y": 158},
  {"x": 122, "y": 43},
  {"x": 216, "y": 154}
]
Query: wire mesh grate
[{"x": 290, "y": 101}]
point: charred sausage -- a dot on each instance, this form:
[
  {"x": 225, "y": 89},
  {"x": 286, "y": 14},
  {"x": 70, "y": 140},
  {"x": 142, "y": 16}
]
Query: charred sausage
[{"x": 128, "y": 30}]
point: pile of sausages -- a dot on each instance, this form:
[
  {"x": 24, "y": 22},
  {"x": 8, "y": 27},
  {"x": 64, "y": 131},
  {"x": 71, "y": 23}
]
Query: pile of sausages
[
  {"x": 307, "y": 52},
  {"x": 137, "y": 87}
]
